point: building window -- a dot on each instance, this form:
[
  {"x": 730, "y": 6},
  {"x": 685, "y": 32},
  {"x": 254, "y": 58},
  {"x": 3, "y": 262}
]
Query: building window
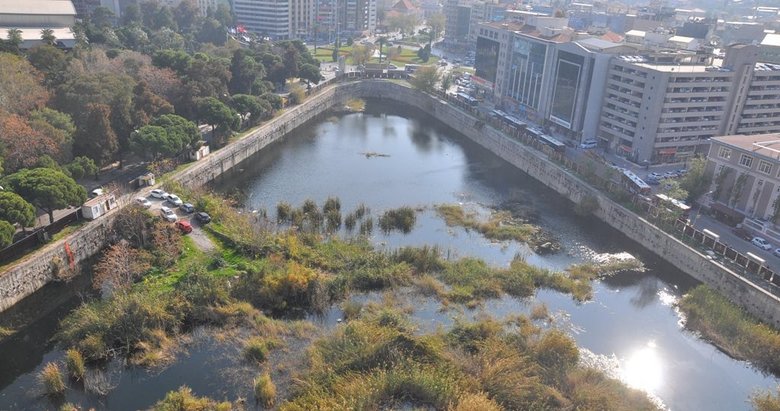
[
  {"x": 724, "y": 153},
  {"x": 764, "y": 167},
  {"x": 746, "y": 160}
]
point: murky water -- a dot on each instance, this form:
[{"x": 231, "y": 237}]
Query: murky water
[{"x": 631, "y": 327}]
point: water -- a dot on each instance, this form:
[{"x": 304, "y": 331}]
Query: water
[{"x": 630, "y": 328}]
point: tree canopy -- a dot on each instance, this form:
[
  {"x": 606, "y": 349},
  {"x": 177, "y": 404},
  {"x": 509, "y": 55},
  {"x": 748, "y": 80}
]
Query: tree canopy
[
  {"x": 15, "y": 210},
  {"x": 46, "y": 188}
]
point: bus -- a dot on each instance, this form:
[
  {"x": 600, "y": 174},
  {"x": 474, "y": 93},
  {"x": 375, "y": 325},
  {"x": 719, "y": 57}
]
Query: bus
[
  {"x": 672, "y": 204},
  {"x": 553, "y": 142},
  {"x": 471, "y": 101},
  {"x": 634, "y": 184}
]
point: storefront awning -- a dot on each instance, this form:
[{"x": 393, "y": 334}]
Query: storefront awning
[
  {"x": 625, "y": 149},
  {"x": 667, "y": 151}
]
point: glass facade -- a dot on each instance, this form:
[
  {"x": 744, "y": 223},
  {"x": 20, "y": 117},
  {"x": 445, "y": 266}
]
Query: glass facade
[
  {"x": 568, "y": 70},
  {"x": 526, "y": 72},
  {"x": 486, "y": 62}
]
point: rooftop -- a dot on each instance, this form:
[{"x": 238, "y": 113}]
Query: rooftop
[
  {"x": 38, "y": 7},
  {"x": 771, "y": 39},
  {"x": 681, "y": 39},
  {"x": 767, "y": 145},
  {"x": 597, "y": 44}
]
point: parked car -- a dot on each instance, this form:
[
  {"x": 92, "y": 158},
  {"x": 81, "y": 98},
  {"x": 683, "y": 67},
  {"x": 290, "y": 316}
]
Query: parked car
[
  {"x": 776, "y": 252},
  {"x": 654, "y": 176},
  {"x": 96, "y": 193},
  {"x": 761, "y": 243},
  {"x": 670, "y": 174},
  {"x": 157, "y": 193},
  {"x": 652, "y": 181},
  {"x": 168, "y": 214},
  {"x": 175, "y": 200},
  {"x": 681, "y": 172},
  {"x": 589, "y": 143},
  {"x": 187, "y": 208},
  {"x": 203, "y": 217},
  {"x": 184, "y": 226},
  {"x": 143, "y": 202}
]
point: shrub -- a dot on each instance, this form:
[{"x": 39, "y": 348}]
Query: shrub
[
  {"x": 402, "y": 219},
  {"x": 297, "y": 94},
  {"x": 333, "y": 220},
  {"x": 265, "y": 390},
  {"x": 361, "y": 211},
  {"x": 331, "y": 204},
  {"x": 350, "y": 221},
  {"x": 351, "y": 309},
  {"x": 283, "y": 212},
  {"x": 51, "y": 379},
  {"x": 74, "y": 363},
  {"x": 256, "y": 350},
  {"x": 184, "y": 400},
  {"x": 475, "y": 402},
  {"x": 367, "y": 226}
]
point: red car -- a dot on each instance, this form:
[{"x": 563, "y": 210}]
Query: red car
[{"x": 184, "y": 226}]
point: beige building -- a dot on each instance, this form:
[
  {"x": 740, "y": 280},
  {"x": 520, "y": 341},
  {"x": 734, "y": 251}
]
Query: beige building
[
  {"x": 32, "y": 16},
  {"x": 746, "y": 181}
]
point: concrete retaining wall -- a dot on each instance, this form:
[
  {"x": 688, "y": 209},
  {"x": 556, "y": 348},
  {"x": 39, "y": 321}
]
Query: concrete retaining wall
[{"x": 27, "y": 276}]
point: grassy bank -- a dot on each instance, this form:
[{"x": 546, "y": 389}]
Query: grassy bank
[
  {"x": 732, "y": 329},
  {"x": 378, "y": 361},
  {"x": 262, "y": 268}
]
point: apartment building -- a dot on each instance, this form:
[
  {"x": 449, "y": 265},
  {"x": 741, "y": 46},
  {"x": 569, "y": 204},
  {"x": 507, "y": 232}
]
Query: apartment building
[
  {"x": 664, "y": 107},
  {"x": 746, "y": 181}
]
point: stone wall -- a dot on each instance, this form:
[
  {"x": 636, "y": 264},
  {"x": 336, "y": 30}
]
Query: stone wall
[
  {"x": 34, "y": 272},
  {"x": 738, "y": 289}
]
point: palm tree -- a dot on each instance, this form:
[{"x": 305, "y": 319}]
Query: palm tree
[
  {"x": 47, "y": 35},
  {"x": 15, "y": 38}
]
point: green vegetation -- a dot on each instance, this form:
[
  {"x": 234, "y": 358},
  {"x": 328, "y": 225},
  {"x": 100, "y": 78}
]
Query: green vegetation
[
  {"x": 379, "y": 361},
  {"x": 74, "y": 363},
  {"x": 184, "y": 400},
  {"x": 731, "y": 328},
  {"x": 265, "y": 390},
  {"x": 402, "y": 219},
  {"x": 500, "y": 226},
  {"x": 51, "y": 380},
  {"x": 256, "y": 349}
]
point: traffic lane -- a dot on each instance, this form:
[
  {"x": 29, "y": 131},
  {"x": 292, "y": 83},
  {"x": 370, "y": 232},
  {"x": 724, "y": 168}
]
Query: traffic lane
[{"x": 703, "y": 221}]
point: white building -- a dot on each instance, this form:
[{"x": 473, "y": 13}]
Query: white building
[
  {"x": 33, "y": 16},
  {"x": 264, "y": 17}
]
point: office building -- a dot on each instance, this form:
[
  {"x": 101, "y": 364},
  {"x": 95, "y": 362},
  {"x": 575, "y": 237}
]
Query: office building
[
  {"x": 746, "y": 181},
  {"x": 270, "y": 18}
]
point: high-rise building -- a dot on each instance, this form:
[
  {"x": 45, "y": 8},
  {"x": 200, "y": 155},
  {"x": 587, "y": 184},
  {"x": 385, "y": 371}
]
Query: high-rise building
[
  {"x": 269, "y": 18},
  {"x": 302, "y": 18}
]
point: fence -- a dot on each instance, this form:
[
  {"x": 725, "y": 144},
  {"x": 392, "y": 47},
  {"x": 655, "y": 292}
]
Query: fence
[{"x": 38, "y": 237}]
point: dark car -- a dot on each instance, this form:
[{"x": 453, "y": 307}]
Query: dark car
[
  {"x": 203, "y": 217},
  {"x": 742, "y": 233},
  {"x": 187, "y": 208}
]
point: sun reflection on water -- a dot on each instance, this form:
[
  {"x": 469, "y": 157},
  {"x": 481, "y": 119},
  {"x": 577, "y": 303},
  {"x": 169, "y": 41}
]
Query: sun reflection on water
[{"x": 643, "y": 368}]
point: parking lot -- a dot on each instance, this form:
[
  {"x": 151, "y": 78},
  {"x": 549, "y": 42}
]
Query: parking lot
[{"x": 197, "y": 235}]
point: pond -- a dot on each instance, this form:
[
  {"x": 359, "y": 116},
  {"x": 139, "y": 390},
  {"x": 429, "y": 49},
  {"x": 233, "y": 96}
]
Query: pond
[{"x": 388, "y": 157}]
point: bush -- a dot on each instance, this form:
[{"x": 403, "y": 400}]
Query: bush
[
  {"x": 265, "y": 390},
  {"x": 51, "y": 380},
  {"x": 283, "y": 212},
  {"x": 74, "y": 363},
  {"x": 184, "y": 400},
  {"x": 297, "y": 94},
  {"x": 256, "y": 349},
  {"x": 331, "y": 204},
  {"x": 402, "y": 219}
]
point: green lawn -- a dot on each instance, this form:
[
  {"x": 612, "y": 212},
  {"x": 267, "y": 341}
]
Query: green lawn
[{"x": 407, "y": 56}]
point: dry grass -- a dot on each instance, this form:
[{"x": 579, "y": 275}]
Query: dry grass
[
  {"x": 51, "y": 380},
  {"x": 74, "y": 363},
  {"x": 265, "y": 390},
  {"x": 500, "y": 226}
]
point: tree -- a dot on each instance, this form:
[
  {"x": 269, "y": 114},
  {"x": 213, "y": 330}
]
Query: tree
[
  {"x": 15, "y": 39},
  {"x": 177, "y": 60},
  {"x": 297, "y": 95},
  {"x": 81, "y": 167},
  {"x": 223, "y": 15},
  {"x": 22, "y": 145},
  {"x": 167, "y": 135},
  {"x": 51, "y": 62},
  {"x": 20, "y": 85},
  {"x": 219, "y": 116},
  {"x": 310, "y": 73},
  {"x": 119, "y": 267},
  {"x": 47, "y": 36},
  {"x": 244, "y": 71},
  {"x": 673, "y": 189},
  {"x": 361, "y": 54},
  {"x": 146, "y": 105},
  {"x": 57, "y": 127},
  {"x": 424, "y": 53},
  {"x": 425, "y": 78},
  {"x": 446, "y": 82},
  {"x": 95, "y": 138},
  {"x": 15, "y": 210},
  {"x": 186, "y": 14},
  {"x": 102, "y": 17},
  {"x": 292, "y": 61},
  {"x": 179, "y": 128},
  {"x": 255, "y": 106},
  {"x": 697, "y": 181},
  {"x": 6, "y": 234},
  {"x": 46, "y": 188},
  {"x": 212, "y": 31},
  {"x": 131, "y": 15}
]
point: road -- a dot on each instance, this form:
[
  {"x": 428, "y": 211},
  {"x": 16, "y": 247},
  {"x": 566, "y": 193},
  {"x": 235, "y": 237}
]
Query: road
[{"x": 199, "y": 237}]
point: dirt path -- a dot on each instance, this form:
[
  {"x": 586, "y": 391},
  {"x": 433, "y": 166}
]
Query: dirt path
[{"x": 199, "y": 237}]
